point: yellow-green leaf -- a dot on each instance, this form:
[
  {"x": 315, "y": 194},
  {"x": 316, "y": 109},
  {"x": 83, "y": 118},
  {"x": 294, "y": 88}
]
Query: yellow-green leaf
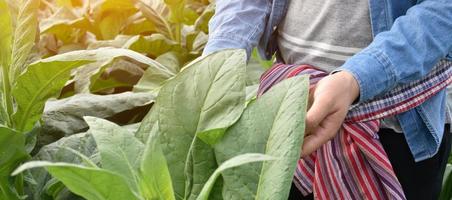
[
  {"x": 6, "y": 35},
  {"x": 24, "y": 36}
]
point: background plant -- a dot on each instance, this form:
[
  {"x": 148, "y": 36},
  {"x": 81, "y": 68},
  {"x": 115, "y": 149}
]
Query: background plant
[{"x": 109, "y": 59}]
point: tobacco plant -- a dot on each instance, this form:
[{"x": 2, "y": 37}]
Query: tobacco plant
[
  {"x": 201, "y": 140},
  {"x": 27, "y": 86}
]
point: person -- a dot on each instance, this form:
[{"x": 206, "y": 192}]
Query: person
[{"x": 368, "y": 48}]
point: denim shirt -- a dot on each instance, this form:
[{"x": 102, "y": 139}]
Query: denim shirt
[{"x": 409, "y": 38}]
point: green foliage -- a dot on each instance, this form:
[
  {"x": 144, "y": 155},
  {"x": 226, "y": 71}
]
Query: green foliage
[
  {"x": 66, "y": 57},
  {"x": 45, "y": 78},
  {"x": 206, "y": 136},
  {"x": 231, "y": 163},
  {"x": 156, "y": 179},
  {"x": 204, "y": 99},
  {"x": 183, "y": 144},
  {"x": 12, "y": 152},
  {"x": 16, "y": 42},
  {"x": 89, "y": 182},
  {"x": 272, "y": 125}
]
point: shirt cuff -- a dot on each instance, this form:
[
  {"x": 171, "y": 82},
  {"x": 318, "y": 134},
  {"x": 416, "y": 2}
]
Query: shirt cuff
[
  {"x": 220, "y": 43},
  {"x": 373, "y": 72}
]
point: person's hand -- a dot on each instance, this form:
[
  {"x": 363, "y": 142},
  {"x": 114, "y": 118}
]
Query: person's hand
[{"x": 329, "y": 102}]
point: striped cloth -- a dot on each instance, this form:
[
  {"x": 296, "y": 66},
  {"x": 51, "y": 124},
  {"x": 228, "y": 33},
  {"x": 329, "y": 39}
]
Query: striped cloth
[{"x": 354, "y": 165}]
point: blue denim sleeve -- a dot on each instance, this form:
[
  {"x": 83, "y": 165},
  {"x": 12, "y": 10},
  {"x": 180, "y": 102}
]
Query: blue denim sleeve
[
  {"x": 237, "y": 24},
  {"x": 408, "y": 51}
]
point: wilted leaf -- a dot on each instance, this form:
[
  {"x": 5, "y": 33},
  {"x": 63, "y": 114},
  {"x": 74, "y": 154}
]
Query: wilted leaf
[
  {"x": 69, "y": 30},
  {"x": 45, "y": 78},
  {"x": 85, "y": 78},
  {"x": 65, "y": 116}
]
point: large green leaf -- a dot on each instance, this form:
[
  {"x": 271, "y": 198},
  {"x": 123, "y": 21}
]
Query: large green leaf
[
  {"x": 231, "y": 163},
  {"x": 203, "y": 99},
  {"x": 119, "y": 150},
  {"x": 24, "y": 36},
  {"x": 45, "y": 78},
  {"x": 273, "y": 125},
  {"x": 90, "y": 183},
  {"x": 155, "y": 177}
]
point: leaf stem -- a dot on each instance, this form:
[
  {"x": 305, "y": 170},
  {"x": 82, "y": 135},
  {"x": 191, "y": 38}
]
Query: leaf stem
[
  {"x": 19, "y": 183},
  {"x": 7, "y": 96},
  {"x": 179, "y": 33}
]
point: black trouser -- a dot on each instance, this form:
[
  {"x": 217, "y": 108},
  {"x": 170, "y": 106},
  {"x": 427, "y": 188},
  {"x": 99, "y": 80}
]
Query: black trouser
[{"x": 420, "y": 180}]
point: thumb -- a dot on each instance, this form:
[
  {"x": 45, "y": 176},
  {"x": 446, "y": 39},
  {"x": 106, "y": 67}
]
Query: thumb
[{"x": 315, "y": 115}]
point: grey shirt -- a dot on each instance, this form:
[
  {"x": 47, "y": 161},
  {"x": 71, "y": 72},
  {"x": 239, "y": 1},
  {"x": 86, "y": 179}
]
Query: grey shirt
[{"x": 324, "y": 33}]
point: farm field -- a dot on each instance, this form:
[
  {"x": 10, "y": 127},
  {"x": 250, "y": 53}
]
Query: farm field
[{"x": 112, "y": 100}]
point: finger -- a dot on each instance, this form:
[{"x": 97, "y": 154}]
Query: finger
[
  {"x": 311, "y": 95},
  {"x": 318, "y": 111},
  {"x": 311, "y": 143},
  {"x": 326, "y": 131}
]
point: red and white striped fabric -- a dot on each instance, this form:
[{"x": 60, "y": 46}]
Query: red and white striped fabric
[{"x": 354, "y": 165}]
